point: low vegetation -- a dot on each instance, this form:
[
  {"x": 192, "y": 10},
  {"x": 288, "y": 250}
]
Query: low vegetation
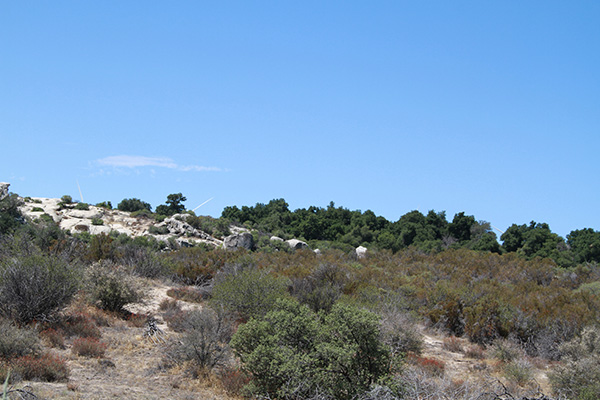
[{"x": 275, "y": 323}]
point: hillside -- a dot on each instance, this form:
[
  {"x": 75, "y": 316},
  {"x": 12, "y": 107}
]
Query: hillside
[{"x": 135, "y": 305}]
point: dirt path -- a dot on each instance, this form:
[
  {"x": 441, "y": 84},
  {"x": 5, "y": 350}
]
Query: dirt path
[{"x": 134, "y": 367}]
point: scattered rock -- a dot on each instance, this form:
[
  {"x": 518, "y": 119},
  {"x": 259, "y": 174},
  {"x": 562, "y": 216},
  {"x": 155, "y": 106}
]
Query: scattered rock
[
  {"x": 242, "y": 240},
  {"x": 296, "y": 244},
  {"x": 276, "y": 239},
  {"x": 361, "y": 252},
  {"x": 318, "y": 252}
]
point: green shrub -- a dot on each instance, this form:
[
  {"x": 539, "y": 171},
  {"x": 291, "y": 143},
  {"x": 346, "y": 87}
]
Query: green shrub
[
  {"x": 519, "y": 371},
  {"x": 100, "y": 248},
  {"x": 248, "y": 293},
  {"x": 10, "y": 215},
  {"x": 133, "y": 204},
  {"x": 66, "y": 199},
  {"x": 142, "y": 213},
  {"x": 15, "y": 341},
  {"x": 46, "y": 218},
  {"x": 111, "y": 287},
  {"x": 82, "y": 206},
  {"x": 36, "y": 286},
  {"x": 158, "y": 230},
  {"x": 37, "y": 209},
  {"x": 293, "y": 353},
  {"x": 105, "y": 204},
  {"x": 97, "y": 221}
]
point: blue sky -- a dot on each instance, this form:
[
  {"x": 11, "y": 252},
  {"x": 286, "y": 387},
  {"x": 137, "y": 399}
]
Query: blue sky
[{"x": 492, "y": 108}]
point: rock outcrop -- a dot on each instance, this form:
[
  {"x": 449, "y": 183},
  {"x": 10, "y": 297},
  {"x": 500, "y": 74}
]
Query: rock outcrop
[
  {"x": 4, "y": 189},
  {"x": 98, "y": 220},
  {"x": 296, "y": 244},
  {"x": 243, "y": 240},
  {"x": 361, "y": 252},
  {"x": 176, "y": 225}
]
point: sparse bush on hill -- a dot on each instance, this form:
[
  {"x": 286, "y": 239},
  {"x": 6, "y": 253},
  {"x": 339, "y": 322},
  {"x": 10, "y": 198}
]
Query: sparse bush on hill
[
  {"x": 198, "y": 265},
  {"x": 112, "y": 287},
  {"x": 36, "y": 286},
  {"x": 205, "y": 339},
  {"x": 105, "y": 204},
  {"x": 321, "y": 288},
  {"x": 82, "y": 206},
  {"x": 142, "y": 261},
  {"x": 88, "y": 347},
  {"x": 578, "y": 376},
  {"x": 16, "y": 341},
  {"x": 249, "y": 292}
]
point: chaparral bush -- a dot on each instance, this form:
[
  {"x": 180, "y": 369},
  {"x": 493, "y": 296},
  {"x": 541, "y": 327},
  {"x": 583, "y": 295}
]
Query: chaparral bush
[
  {"x": 88, "y": 347},
  {"x": 111, "y": 287},
  {"x": 250, "y": 292},
  {"x": 36, "y": 286},
  {"x": 205, "y": 339},
  {"x": 293, "y": 352},
  {"x": 578, "y": 375},
  {"x": 15, "y": 341}
]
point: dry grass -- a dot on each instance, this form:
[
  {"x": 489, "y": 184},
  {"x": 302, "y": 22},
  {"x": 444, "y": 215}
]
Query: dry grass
[{"x": 133, "y": 367}]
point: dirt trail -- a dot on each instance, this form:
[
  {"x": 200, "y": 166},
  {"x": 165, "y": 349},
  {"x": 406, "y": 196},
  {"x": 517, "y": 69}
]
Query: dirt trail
[{"x": 133, "y": 366}]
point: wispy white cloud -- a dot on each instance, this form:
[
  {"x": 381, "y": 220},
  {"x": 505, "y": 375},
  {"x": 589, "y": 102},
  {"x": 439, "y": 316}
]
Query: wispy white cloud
[{"x": 129, "y": 161}]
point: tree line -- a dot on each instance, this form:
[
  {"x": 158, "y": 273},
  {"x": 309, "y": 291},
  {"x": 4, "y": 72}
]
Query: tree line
[{"x": 431, "y": 232}]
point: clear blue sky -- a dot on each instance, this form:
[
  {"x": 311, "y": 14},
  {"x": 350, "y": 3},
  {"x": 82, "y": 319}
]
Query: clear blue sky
[{"x": 492, "y": 108}]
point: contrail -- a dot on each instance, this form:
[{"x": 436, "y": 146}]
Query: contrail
[
  {"x": 203, "y": 204},
  {"x": 78, "y": 187},
  {"x": 497, "y": 229}
]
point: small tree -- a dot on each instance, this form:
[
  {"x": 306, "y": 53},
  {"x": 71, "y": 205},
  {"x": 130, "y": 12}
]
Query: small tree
[
  {"x": 173, "y": 205},
  {"x": 133, "y": 204},
  {"x": 10, "y": 216}
]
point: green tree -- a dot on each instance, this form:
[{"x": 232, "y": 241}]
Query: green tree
[
  {"x": 537, "y": 240},
  {"x": 460, "y": 227},
  {"x": 514, "y": 237},
  {"x": 133, "y": 204},
  {"x": 173, "y": 205},
  {"x": 585, "y": 244},
  {"x": 10, "y": 216}
]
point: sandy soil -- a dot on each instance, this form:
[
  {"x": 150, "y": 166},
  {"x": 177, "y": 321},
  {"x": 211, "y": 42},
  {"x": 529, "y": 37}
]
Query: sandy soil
[{"x": 134, "y": 366}]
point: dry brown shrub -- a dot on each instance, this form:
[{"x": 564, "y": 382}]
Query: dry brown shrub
[
  {"x": 88, "y": 347},
  {"x": 453, "y": 344}
]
